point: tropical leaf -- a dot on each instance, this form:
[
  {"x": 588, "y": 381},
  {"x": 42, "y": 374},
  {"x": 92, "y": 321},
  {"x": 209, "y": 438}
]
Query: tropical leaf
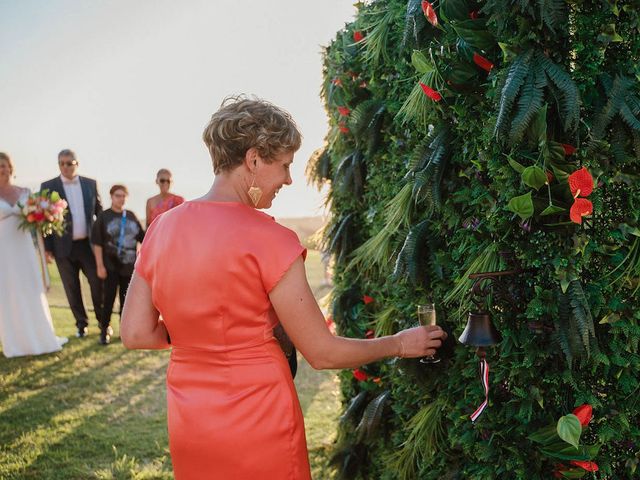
[
  {"x": 412, "y": 259},
  {"x": 518, "y": 72},
  {"x": 354, "y": 407},
  {"x": 371, "y": 418},
  {"x": 365, "y": 122}
]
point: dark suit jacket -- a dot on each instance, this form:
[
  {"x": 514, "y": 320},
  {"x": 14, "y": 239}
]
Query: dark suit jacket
[{"x": 61, "y": 246}]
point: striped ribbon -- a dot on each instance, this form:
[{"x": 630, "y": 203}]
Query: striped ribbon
[{"x": 484, "y": 378}]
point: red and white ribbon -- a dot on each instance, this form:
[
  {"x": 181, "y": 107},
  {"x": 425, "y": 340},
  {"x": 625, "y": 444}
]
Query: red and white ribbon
[{"x": 484, "y": 378}]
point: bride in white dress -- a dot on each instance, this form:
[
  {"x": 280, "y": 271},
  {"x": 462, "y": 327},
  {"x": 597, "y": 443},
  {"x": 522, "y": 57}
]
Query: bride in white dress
[{"x": 25, "y": 319}]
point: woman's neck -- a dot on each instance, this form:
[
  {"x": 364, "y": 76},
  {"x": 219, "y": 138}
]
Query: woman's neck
[
  {"x": 228, "y": 187},
  {"x": 164, "y": 195},
  {"x": 117, "y": 209}
]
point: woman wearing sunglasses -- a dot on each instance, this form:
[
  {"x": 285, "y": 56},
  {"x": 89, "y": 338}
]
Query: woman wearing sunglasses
[{"x": 165, "y": 200}]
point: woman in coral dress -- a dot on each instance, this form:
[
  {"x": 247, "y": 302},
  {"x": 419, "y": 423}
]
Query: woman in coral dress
[
  {"x": 165, "y": 200},
  {"x": 222, "y": 275}
]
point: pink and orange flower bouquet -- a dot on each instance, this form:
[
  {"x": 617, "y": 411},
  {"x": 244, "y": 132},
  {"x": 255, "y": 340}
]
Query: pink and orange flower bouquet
[{"x": 44, "y": 212}]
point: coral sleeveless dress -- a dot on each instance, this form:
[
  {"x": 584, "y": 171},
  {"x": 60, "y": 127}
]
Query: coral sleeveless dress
[{"x": 233, "y": 412}]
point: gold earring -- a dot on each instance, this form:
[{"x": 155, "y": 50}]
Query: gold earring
[{"x": 255, "y": 193}]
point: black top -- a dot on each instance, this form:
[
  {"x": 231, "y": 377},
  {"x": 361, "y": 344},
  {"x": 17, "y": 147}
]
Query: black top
[{"x": 106, "y": 233}]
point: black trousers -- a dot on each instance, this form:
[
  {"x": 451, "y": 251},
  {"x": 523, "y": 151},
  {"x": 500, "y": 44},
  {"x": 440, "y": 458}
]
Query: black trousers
[
  {"x": 115, "y": 281},
  {"x": 80, "y": 259}
]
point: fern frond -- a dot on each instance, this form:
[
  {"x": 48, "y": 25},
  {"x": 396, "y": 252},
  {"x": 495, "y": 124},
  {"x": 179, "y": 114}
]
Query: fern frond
[
  {"x": 354, "y": 407},
  {"x": 412, "y": 258},
  {"x": 615, "y": 100},
  {"x": 553, "y": 13},
  {"x": 372, "y": 416},
  {"x": 569, "y": 95},
  {"x": 629, "y": 118},
  {"x": 318, "y": 169},
  {"x": 426, "y": 186},
  {"x": 338, "y": 237},
  {"x": 365, "y": 121},
  {"x": 414, "y": 22},
  {"x": 582, "y": 315},
  {"x": 518, "y": 72},
  {"x": 529, "y": 103}
]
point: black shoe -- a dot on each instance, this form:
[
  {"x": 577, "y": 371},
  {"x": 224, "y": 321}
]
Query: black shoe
[
  {"x": 105, "y": 337},
  {"x": 82, "y": 332}
]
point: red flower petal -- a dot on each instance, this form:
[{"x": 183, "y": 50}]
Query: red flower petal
[
  {"x": 377, "y": 380},
  {"x": 370, "y": 334},
  {"x": 581, "y": 183},
  {"x": 584, "y": 414},
  {"x": 430, "y": 92},
  {"x": 568, "y": 149},
  {"x": 343, "y": 128},
  {"x": 360, "y": 375},
  {"x": 357, "y": 36},
  {"x": 580, "y": 208},
  {"x": 367, "y": 299},
  {"x": 588, "y": 466},
  {"x": 344, "y": 111},
  {"x": 430, "y": 13},
  {"x": 482, "y": 62},
  {"x": 473, "y": 15},
  {"x": 337, "y": 82}
]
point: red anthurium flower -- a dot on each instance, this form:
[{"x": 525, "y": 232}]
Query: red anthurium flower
[
  {"x": 357, "y": 36},
  {"x": 337, "y": 82},
  {"x": 482, "y": 62},
  {"x": 343, "y": 128},
  {"x": 580, "y": 208},
  {"x": 568, "y": 149},
  {"x": 367, "y": 299},
  {"x": 584, "y": 414},
  {"x": 370, "y": 334},
  {"x": 588, "y": 466},
  {"x": 377, "y": 380},
  {"x": 430, "y": 92},
  {"x": 344, "y": 111},
  {"x": 473, "y": 15},
  {"x": 581, "y": 183},
  {"x": 331, "y": 324},
  {"x": 430, "y": 13},
  {"x": 360, "y": 375}
]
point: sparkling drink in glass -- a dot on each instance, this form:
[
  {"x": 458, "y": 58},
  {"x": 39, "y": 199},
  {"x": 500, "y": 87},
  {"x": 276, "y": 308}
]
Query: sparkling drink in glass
[{"x": 426, "y": 317}]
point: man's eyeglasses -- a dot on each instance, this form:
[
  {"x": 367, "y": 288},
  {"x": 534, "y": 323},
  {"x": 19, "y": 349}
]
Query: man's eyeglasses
[
  {"x": 164, "y": 180},
  {"x": 69, "y": 163}
]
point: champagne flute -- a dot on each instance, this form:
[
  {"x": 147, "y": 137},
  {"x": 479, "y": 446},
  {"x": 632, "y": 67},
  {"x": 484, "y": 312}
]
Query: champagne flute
[{"x": 426, "y": 317}]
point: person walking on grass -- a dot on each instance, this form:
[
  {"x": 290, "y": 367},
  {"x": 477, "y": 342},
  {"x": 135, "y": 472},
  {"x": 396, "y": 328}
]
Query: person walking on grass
[
  {"x": 115, "y": 237},
  {"x": 72, "y": 251}
]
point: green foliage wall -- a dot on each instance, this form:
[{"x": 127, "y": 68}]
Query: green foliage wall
[{"x": 454, "y": 129}]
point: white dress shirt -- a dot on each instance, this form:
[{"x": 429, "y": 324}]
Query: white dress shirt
[{"x": 73, "y": 192}]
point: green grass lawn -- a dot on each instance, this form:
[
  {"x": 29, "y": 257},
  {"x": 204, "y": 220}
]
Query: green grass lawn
[{"x": 93, "y": 412}]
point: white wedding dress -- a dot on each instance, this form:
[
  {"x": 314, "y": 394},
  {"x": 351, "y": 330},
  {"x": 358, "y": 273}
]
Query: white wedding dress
[{"x": 25, "y": 319}]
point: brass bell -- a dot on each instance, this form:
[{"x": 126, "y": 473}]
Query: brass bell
[{"x": 480, "y": 331}]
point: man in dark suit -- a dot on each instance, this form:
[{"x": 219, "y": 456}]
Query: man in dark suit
[{"x": 72, "y": 251}]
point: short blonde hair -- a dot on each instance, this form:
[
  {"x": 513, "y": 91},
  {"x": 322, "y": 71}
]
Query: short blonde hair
[
  {"x": 7, "y": 158},
  {"x": 242, "y": 123}
]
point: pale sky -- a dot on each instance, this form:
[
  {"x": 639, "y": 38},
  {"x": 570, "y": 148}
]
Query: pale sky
[{"x": 130, "y": 84}]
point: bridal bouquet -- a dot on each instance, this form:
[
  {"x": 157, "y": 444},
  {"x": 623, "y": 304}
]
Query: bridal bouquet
[{"x": 44, "y": 212}]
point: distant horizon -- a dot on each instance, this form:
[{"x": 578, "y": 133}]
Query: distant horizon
[{"x": 130, "y": 86}]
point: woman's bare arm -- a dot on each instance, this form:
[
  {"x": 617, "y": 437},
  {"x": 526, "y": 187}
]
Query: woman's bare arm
[
  {"x": 303, "y": 321},
  {"x": 140, "y": 327}
]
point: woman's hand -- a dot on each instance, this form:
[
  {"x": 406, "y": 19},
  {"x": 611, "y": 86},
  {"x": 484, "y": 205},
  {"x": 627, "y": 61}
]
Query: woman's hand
[
  {"x": 102, "y": 272},
  {"x": 420, "y": 341}
]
